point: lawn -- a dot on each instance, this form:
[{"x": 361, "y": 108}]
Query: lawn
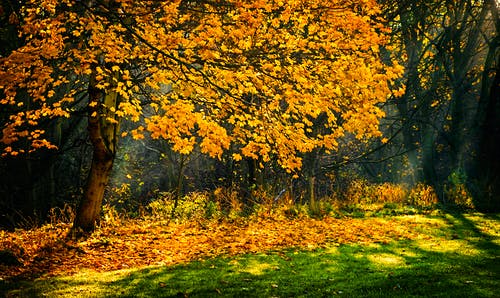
[{"x": 439, "y": 255}]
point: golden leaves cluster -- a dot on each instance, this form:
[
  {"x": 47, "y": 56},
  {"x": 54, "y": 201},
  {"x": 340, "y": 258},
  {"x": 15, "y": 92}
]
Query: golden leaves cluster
[{"x": 254, "y": 76}]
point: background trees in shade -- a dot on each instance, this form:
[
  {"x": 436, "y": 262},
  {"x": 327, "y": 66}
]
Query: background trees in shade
[{"x": 447, "y": 120}]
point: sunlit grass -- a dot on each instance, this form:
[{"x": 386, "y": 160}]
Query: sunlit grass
[
  {"x": 386, "y": 260},
  {"x": 456, "y": 255}
]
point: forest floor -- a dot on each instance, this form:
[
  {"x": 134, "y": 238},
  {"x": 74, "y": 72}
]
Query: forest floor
[{"x": 266, "y": 256}]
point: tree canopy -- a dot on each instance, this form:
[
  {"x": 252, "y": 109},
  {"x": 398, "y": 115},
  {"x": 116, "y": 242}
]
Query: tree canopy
[
  {"x": 253, "y": 76},
  {"x": 252, "y": 73}
]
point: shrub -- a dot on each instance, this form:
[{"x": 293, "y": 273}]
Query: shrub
[
  {"x": 459, "y": 195},
  {"x": 64, "y": 214},
  {"x": 190, "y": 206},
  {"x": 111, "y": 216},
  {"x": 357, "y": 191},
  {"x": 422, "y": 195},
  {"x": 391, "y": 193},
  {"x": 228, "y": 200}
]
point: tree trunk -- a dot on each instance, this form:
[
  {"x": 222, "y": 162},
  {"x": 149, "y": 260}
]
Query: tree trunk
[
  {"x": 312, "y": 197},
  {"x": 488, "y": 120},
  {"x": 413, "y": 48},
  {"x": 489, "y": 147},
  {"x": 90, "y": 207},
  {"x": 103, "y": 127}
]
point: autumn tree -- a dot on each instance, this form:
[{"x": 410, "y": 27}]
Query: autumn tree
[{"x": 249, "y": 74}]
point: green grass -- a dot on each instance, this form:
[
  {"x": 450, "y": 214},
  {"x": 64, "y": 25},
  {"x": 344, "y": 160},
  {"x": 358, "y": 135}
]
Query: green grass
[{"x": 457, "y": 255}]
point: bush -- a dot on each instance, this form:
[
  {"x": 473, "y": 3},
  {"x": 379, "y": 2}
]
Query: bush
[
  {"x": 422, "y": 195},
  {"x": 391, "y": 193},
  {"x": 459, "y": 195},
  {"x": 360, "y": 199},
  {"x": 64, "y": 214},
  {"x": 191, "y": 206},
  {"x": 456, "y": 190}
]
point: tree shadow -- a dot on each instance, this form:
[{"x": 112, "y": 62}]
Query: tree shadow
[
  {"x": 465, "y": 228},
  {"x": 351, "y": 272},
  {"x": 398, "y": 269}
]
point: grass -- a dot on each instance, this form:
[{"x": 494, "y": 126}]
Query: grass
[{"x": 455, "y": 255}]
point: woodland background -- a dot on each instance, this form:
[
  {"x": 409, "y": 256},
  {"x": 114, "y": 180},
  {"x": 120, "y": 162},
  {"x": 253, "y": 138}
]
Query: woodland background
[{"x": 441, "y": 137}]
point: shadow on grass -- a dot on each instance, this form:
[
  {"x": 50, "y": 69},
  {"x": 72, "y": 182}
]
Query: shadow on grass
[
  {"x": 466, "y": 228},
  {"x": 398, "y": 269},
  {"x": 463, "y": 261}
]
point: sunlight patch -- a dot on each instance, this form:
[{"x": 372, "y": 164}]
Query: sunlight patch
[
  {"x": 457, "y": 246},
  {"x": 86, "y": 283},
  {"x": 487, "y": 226},
  {"x": 255, "y": 267},
  {"x": 407, "y": 253},
  {"x": 332, "y": 250},
  {"x": 385, "y": 259}
]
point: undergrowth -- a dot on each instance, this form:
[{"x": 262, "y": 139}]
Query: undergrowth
[{"x": 361, "y": 199}]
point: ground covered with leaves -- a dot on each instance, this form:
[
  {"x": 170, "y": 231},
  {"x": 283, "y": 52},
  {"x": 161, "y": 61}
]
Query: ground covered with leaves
[
  {"x": 136, "y": 243},
  {"x": 45, "y": 253}
]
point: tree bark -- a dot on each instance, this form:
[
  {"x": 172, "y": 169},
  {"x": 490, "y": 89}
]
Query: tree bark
[
  {"x": 487, "y": 170},
  {"x": 489, "y": 147},
  {"x": 103, "y": 127},
  {"x": 413, "y": 48},
  {"x": 88, "y": 213}
]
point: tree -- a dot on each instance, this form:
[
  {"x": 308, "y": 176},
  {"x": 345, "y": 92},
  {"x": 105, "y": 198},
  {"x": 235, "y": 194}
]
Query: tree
[
  {"x": 488, "y": 119},
  {"x": 449, "y": 50},
  {"x": 254, "y": 74}
]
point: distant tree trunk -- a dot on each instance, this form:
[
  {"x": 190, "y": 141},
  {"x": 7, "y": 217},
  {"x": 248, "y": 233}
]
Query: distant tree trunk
[
  {"x": 487, "y": 171},
  {"x": 489, "y": 148},
  {"x": 179, "y": 184},
  {"x": 406, "y": 105},
  {"x": 251, "y": 180},
  {"x": 310, "y": 164},
  {"x": 103, "y": 127},
  {"x": 312, "y": 196}
]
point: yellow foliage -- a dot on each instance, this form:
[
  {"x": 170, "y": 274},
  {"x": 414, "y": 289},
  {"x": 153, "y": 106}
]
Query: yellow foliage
[
  {"x": 253, "y": 73},
  {"x": 459, "y": 195},
  {"x": 391, "y": 193},
  {"x": 422, "y": 195}
]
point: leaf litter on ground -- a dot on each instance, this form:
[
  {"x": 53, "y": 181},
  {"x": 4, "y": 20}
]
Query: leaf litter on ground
[{"x": 47, "y": 251}]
